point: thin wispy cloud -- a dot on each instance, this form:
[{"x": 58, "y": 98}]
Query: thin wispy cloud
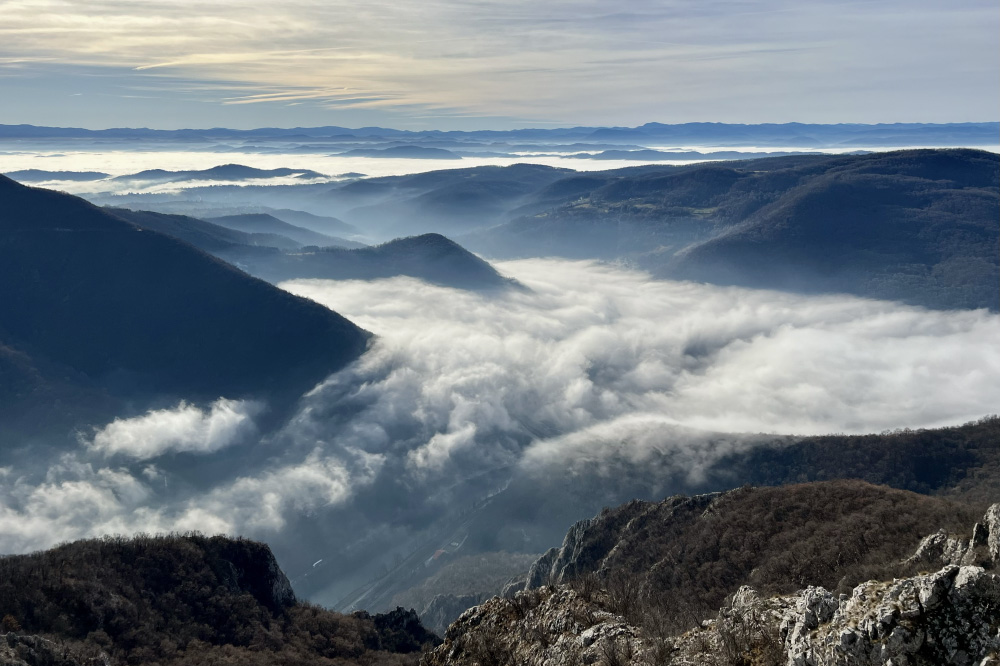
[{"x": 573, "y": 61}]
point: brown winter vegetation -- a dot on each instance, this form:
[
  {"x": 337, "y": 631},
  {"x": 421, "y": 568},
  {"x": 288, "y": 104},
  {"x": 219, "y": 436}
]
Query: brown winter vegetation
[
  {"x": 961, "y": 461},
  {"x": 188, "y": 600},
  {"x": 675, "y": 572}
]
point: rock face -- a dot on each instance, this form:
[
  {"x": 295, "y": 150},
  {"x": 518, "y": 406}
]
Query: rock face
[
  {"x": 588, "y": 543},
  {"x": 992, "y": 522},
  {"x": 981, "y": 549},
  {"x": 947, "y": 617},
  {"x": 950, "y": 616},
  {"x": 554, "y": 626},
  {"x": 249, "y": 566}
]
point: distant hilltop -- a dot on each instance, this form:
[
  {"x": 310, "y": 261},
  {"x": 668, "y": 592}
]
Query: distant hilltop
[{"x": 732, "y": 134}]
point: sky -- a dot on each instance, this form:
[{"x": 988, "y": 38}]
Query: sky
[{"x": 479, "y": 64}]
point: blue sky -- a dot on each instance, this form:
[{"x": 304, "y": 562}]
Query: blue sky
[{"x": 489, "y": 64}]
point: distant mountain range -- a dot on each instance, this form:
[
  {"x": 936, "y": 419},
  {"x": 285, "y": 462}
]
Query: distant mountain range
[
  {"x": 263, "y": 223},
  {"x": 38, "y": 175},
  {"x": 225, "y": 172},
  {"x": 407, "y": 152},
  {"x": 768, "y": 134}
]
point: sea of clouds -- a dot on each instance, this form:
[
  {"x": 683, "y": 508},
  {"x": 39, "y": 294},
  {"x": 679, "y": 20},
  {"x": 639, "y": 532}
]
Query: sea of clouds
[{"x": 591, "y": 366}]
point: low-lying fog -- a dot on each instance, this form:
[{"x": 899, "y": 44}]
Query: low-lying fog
[
  {"x": 126, "y": 159},
  {"x": 463, "y": 391}
]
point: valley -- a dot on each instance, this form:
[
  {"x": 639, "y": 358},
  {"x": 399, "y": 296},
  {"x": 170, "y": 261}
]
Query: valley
[{"x": 411, "y": 386}]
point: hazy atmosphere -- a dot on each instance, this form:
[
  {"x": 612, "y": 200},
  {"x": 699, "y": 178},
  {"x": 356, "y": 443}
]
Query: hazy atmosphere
[{"x": 499, "y": 334}]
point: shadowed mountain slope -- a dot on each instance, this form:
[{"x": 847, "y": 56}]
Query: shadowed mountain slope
[
  {"x": 203, "y": 235},
  {"x": 920, "y": 227},
  {"x": 262, "y": 223},
  {"x": 430, "y": 257},
  {"x": 140, "y": 313},
  {"x": 276, "y": 258}
]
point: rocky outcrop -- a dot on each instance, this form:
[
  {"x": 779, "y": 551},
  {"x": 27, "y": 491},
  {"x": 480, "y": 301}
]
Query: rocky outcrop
[
  {"x": 947, "y": 617},
  {"x": 992, "y": 523},
  {"x": 555, "y": 626},
  {"x": 25, "y": 650},
  {"x": 589, "y": 543},
  {"x": 950, "y": 616},
  {"x": 982, "y": 549},
  {"x": 249, "y": 566}
]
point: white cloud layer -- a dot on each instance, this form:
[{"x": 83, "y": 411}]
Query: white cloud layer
[
  {"x": 591, "y": 344},
  {"x": 186, "y": 428},
  {"x": 596, "y": 369}
]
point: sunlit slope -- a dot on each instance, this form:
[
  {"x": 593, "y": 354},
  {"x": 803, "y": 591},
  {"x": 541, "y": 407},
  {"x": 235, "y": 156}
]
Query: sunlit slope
[{"x": 919, "y": 226}]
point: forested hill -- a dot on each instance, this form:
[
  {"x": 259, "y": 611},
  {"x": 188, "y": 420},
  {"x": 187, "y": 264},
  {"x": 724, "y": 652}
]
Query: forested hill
[
  {"x": 919, "y": 226},
  {"x": 182, "y": 600}
]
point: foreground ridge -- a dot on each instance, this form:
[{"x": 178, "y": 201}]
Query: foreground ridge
[
  {"x": 950, "y": 615},
  {"x": 181, "y": 599}
]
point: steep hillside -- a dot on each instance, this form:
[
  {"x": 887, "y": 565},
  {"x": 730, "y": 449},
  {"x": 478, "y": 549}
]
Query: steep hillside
[
  {"x": 203, "y": 235},
  {"x": 143, "y": 314},
  {"x": 960, "y": 461},
  {"x": 916, "y": 226},
  {"x": 184, "y": 600}
]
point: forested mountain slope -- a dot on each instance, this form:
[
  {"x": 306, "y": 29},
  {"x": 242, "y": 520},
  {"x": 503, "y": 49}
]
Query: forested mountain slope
[
  {"x": 918, "y": 226},
  {"x": 93, "y": 300}
]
